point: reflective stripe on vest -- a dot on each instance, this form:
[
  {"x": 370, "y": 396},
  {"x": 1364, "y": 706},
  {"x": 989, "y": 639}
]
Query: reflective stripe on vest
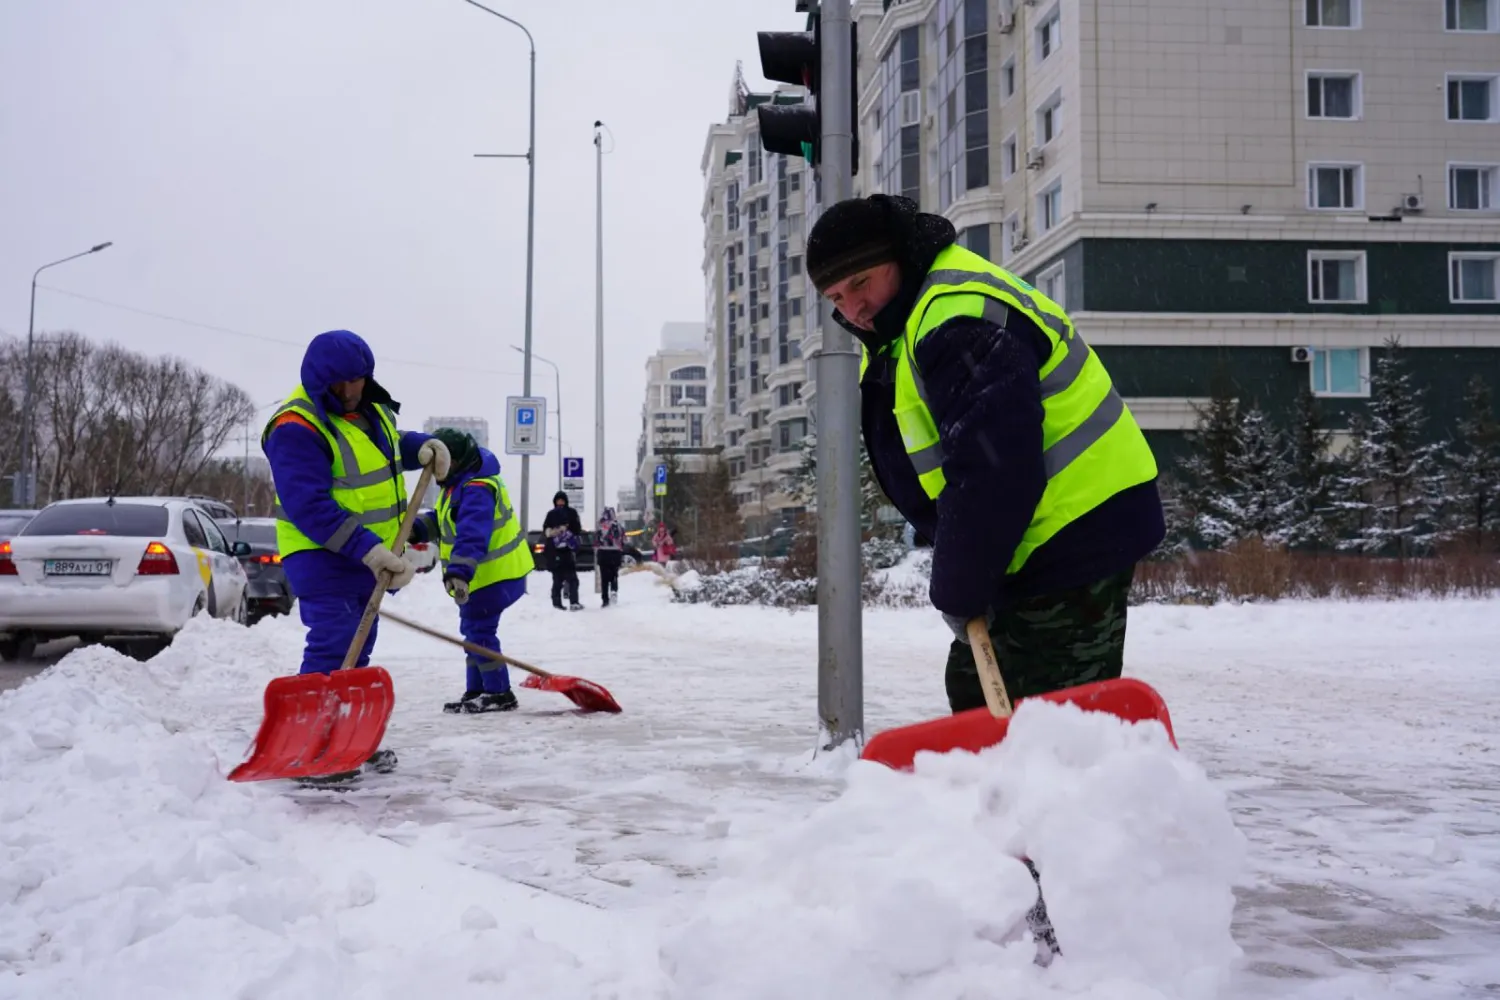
[
  {"x": 365, "y": 481},
  {"x": 1092, "y": 447},
  {"x": 507, "y": 557}
]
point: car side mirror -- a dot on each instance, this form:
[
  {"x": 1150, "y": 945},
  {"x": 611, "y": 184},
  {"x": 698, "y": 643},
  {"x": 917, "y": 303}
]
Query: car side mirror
[{"x": 240, "y": 548}]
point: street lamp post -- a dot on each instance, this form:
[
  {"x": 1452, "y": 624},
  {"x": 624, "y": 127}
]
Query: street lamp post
[
  {"x": 557, "y": 375},
  {"x": 24, "y": 488},
  {"x": 599, "y": 321},
  {"x": 530, "y": 241}
]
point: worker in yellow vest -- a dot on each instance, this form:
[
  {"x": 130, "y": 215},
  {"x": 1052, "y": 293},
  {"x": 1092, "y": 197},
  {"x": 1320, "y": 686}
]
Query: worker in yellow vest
[
  {"x": 485, "y": 561},
  {"x": 336, "y": 459},
  {"x": 998, "y": 434}
]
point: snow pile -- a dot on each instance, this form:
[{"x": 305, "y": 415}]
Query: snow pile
[
  {"x": 129, "y": 866},
  {"x": 907, "y": 885},
  {"x": 904, "y": 584}
]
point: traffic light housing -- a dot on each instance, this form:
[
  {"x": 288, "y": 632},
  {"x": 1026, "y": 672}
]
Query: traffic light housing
[{"x": 796, "y": 57}]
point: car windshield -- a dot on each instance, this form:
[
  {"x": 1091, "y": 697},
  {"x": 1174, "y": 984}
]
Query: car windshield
[
  {"x": 246, "y": 531},
  {"x": 10, "y": 524},
  {"x": 135, "y": 520}
]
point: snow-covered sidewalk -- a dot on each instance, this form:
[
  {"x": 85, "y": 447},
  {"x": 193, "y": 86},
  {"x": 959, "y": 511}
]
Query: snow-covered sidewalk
[{"x": 693, "y": 846}]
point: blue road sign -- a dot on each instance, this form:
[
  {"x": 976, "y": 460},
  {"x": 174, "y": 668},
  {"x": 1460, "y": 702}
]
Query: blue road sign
[
  {"x": 661, "y": 473},
  {"x": 572, "y": 468},
  {"x": 525, "y": 415}
]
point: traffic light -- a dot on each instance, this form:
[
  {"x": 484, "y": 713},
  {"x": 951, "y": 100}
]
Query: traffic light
[{"x": 796, "y": 57}]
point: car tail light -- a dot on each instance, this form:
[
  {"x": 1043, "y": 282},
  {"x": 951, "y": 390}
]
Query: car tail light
[
  {"x": 158, "y": 561},
  {"x": 7, "y": 567},
  {"x": 272, "y": 558}
]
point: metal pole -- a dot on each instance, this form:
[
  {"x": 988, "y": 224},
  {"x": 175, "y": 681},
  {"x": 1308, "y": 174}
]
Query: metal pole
[
  {"x": 598, "y": 321},
  {"x": 598, "y": 338},
  {"x": 840, "y": 639},
  {"x": 24, "y": 488},
  {"x": 530, "y": 249}
]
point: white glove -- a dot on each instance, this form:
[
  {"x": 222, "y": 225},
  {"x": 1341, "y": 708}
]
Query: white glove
[
  {"x": 380, "y": 559},
  {"x": 435, "y": 454},
  {"x": 458, "y": 589}
]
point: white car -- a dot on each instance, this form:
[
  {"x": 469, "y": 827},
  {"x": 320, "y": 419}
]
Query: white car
[{"x": 117, "y": 568}]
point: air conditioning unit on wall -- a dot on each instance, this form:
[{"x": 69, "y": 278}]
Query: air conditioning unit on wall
[
  {"x": 1007, "y": 22},
  {"x": 1302, "y": 355},
  {"x": 1413, "y": 203}
]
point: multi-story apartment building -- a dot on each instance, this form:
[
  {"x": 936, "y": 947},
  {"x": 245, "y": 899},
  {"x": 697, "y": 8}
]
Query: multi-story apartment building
[
  {"x": 759, "y": 308},
  {"x": 675, "y": 413},
  {"x": 1260, "y": 191}
]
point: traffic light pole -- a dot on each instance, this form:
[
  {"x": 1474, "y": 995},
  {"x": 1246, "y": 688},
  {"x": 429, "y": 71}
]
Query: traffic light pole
[{"x": 840, "y": 636}]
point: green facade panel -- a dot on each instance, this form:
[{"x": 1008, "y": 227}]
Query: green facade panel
[
  {"x": 1268, "y": 377},
  {"x": 1257, "y": 276}
]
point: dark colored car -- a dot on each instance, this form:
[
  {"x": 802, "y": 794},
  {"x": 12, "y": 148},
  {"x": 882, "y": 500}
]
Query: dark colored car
[
  {"x": 269, "y": 592},
  {"x": 584, "y": 554}
]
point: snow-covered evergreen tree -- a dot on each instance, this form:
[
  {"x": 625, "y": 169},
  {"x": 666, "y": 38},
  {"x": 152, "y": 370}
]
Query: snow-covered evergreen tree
[
  {"x": 1311, "y": 476},
  {"x": 1260, "y": 479},
  {"x": 1350, "y": 488},
  {"x": 802, "y": 485},
  {"x": 1204, "y": 475},
  {"x": 1401, "y": 468},
  {"x": 1471, "y": 508}
]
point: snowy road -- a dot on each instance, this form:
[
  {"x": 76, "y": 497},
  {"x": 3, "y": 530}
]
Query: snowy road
[{"x": 1355, "y": 744}]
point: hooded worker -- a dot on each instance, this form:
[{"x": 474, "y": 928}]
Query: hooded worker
[
  {"x": 999, "y": 435},
  {"x": 336, "y": 459},
  {"x": 562, "y": 528},
  {"x": 485, "y": 561}
]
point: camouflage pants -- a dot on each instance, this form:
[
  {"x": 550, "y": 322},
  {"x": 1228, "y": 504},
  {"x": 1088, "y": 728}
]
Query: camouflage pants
[{"x": 1049, "y": 642}]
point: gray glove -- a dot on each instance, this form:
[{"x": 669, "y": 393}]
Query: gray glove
[
  {"x": 960, "y": 626},
  {"x": 381, "y": 560},
  {"x": 435, "y": 454},
  {"x": 458, "y": 589}
]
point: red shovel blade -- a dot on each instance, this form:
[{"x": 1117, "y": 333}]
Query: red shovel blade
[
  {"x": 320, "y": 724},
  {"x": 975, "y": 729},
  {"x": 586, "y": 695}
]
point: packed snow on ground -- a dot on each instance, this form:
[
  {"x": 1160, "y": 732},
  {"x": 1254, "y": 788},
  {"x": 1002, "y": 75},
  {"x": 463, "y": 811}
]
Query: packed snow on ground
[{"x": 1328, "y": 829}]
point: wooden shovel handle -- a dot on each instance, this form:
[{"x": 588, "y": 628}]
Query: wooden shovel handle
[
  {"x": 467, "y": 646},
  {"x": 995, "y": 695},
  {"x": 383, "y": 580}
]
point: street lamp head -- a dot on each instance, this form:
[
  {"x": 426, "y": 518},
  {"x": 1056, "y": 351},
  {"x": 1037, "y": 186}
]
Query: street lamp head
[{"x": 101, "y": 246}]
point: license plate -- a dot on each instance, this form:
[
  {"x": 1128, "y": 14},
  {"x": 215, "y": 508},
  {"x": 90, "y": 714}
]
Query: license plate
[{"x": 78, "y": 567}]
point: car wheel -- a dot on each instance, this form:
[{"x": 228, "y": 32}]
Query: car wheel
[
  {"x": 199, "y": 605},
  {"x": 242, "y": 610},
  {"x": 19, "y": 647}
]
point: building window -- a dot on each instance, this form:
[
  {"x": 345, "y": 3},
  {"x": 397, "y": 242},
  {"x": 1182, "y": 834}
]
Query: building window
[
  {"x": 1340, "y": 372},
  {"x": 1333, "y": 95},
  {"x": 1474, "y": 277},
  {"x": 1049, "y": 118},
  {"x": 789, "y": 434},
  {"x": 692, "y": 373},
  {"x": 899, "y": 118},
  {"x": 1471, "y": 98},
  {"x": 1052, "y": 282},
  {"x": 1049, "y": 207},
  {"x": 1336, "y": 276},
  {"x": 1008, "y": 79},
  {"x": 1332, "y": 13},
  {"x": 1472, "y": 188},
  {"x": 1009, "y": 157},
  {"x": 1335, "y": 185},
  {"x": 1049, "y": 34},
  {"x": 963, "y": 90},
  {"x": 977, "y": 239},
  {"x": 1472, "y": 15}
]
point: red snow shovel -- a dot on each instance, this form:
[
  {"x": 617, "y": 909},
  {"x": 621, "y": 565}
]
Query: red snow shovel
[
  {"x": 586, "y": 695},
  {"x": 322, "y": 724},
  {"x": 977, "y": 728}
]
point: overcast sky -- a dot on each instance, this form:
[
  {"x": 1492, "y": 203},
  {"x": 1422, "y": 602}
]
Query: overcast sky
[{"x": 283, "y": 167}]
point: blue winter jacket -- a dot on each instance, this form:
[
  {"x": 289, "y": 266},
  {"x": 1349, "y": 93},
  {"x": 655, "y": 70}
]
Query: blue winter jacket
[
  {"x": 302, "y": 467},
  {"x": 474, "y": 515}
]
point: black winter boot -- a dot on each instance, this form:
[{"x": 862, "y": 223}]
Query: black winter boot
[
  {"x": 461, "y": 705},
  {"x": 490, "y": 701}
]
